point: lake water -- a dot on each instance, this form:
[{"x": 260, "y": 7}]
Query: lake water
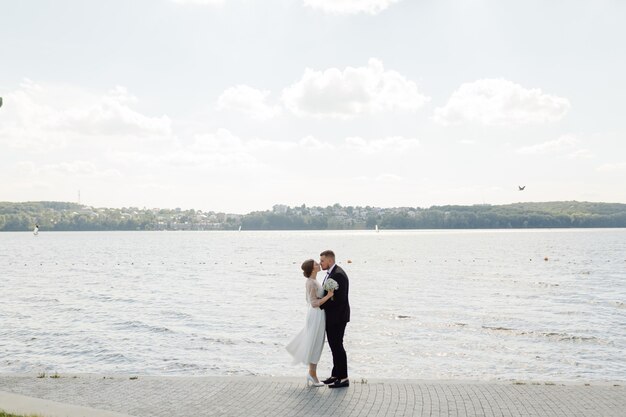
[{"x": 477, "y": 305}]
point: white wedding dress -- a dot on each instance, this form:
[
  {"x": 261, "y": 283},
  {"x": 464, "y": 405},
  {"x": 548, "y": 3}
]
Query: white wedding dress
[{"x": 307, "y": 346}]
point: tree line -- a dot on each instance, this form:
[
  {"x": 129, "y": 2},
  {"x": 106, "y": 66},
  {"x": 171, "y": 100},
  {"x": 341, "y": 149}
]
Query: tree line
[{"x": 62, "y": 216}]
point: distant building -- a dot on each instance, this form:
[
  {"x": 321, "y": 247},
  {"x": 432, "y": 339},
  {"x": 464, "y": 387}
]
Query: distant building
[{"x": 280, "y": 208}]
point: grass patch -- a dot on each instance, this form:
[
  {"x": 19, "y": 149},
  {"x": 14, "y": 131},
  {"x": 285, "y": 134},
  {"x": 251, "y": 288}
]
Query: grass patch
[{"x": 5, "y": 414}]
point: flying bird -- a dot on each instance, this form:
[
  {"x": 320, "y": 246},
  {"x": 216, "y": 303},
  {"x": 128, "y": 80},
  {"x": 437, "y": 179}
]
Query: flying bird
[{"x": 521, "y": 188}]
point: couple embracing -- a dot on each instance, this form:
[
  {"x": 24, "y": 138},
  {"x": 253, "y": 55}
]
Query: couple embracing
[{"x": 328, "y": 312}]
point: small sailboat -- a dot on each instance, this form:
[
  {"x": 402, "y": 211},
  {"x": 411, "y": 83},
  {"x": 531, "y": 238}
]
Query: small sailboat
[
  {"x": 240, "y": 228},
  {"x": 376, "y": 228},
  {"x": 36, "y": 230}
]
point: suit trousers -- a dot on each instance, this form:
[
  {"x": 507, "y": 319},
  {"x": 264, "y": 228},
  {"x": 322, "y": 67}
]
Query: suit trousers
[{"x": 335, "y": 333}]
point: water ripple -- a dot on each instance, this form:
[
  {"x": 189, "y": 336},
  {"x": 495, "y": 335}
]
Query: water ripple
[{"x": 425, "y": 304}]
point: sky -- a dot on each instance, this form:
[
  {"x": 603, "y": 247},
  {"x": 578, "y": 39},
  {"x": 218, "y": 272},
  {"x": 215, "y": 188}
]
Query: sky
[{"x": 237, "y": 105}]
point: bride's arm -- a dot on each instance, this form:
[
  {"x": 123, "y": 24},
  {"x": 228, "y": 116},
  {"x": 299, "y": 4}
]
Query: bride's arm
[{"x": 316, "y": 302}]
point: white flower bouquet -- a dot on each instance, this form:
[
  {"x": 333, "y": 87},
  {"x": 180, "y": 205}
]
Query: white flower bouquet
[{"x": 331, "y": 285}]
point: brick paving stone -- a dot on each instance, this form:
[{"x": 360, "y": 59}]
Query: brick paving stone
[{"x": 257, "y": 396}]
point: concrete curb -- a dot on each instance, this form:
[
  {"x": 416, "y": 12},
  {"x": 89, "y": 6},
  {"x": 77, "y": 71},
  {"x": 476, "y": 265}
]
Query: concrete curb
[{"x": 21, "y": 404}]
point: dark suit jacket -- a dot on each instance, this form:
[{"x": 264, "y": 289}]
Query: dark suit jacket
[{"x": 338, "y": 309}]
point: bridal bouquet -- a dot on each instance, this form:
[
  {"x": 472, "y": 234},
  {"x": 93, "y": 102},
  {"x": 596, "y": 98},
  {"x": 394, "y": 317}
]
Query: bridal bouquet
[{"x": 331, "y": 285}]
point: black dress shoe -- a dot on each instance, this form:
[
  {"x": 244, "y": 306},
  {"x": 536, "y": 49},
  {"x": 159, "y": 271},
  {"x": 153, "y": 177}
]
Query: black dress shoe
[
  {"x": 330, "y": 380},
  {"x": 340, "y": 384}
]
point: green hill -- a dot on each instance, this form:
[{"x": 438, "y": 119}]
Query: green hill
[{"x": 61, "y": 216}]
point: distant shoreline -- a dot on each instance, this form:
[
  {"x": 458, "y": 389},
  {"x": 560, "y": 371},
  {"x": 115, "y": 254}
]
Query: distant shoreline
[{"x": 63, "y": 216}]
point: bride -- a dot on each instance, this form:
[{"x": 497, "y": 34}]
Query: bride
[{"x": 306, "y": 347}]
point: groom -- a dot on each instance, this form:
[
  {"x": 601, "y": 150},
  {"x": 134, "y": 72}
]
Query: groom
[{"x": 337, "y": 317}]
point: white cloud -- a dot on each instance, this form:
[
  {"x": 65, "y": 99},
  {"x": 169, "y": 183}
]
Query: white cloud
[
  {"x": 257, "y": 144},
  {"x": 560, "y": 145},
  {"x": 225, "y": 150},
  {"x": 180, "y": 159},
  {"x": 44, "y": 117},
  {"x": 389, "y": 178},
  {"x": 581, "y": 154},
  {"x": 221, "y": 150},
  {"x": 112, "y": 115},
  {"x": 617, "y": 167},
  {"x": 249, "y": 101},
  {"x": 72, "y": 169},
  {"x": 200, "y": 2},
  {"x": 352, "y": 92},
  {"x": 224, "y": 141},
  {"x": 232, "y": 160},
  {"x": 495, "y": 102},
  {"x": 220, "y": 141},
  {"x": 350, "y": 6},
  {"x": 567, "y": 146},
  {"x": 382, "y": 146},
  {"x": 311, "y": 143},
  {"x": 381, "y": 178}
]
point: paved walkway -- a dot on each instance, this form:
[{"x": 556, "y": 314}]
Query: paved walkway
[{"x": 257, "y": 396}]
